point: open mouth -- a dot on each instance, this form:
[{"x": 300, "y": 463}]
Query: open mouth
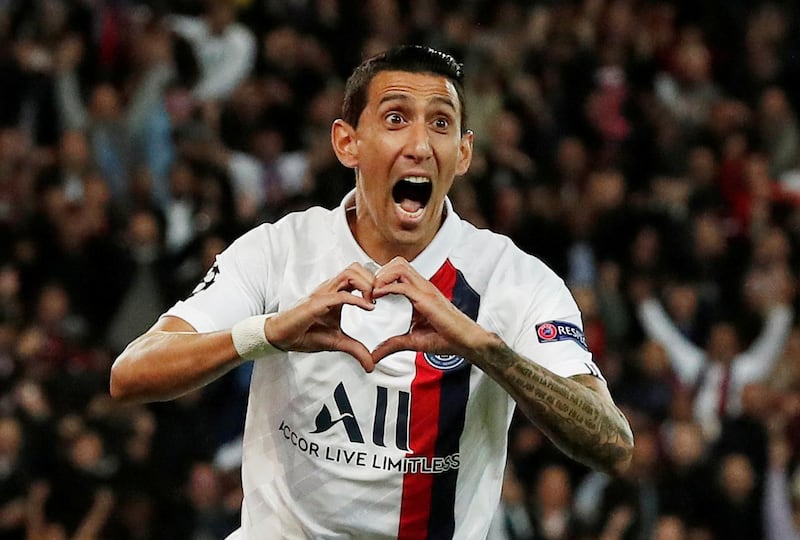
[{"x": 412, "y": 193}]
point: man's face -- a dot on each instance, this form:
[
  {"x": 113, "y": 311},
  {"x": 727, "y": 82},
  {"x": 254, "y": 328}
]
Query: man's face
[{"x": 407, "y": 150}]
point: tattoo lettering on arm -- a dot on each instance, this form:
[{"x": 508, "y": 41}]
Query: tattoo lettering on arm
[{"x": 576, "y": 413}]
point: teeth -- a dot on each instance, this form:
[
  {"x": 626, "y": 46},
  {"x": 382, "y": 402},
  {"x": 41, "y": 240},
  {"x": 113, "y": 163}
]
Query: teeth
[{"x": 417, "y": 179}]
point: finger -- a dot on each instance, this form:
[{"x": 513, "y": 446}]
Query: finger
[
  {"x": 356, "y": 349},
  {"x": 362, "y": 270},
  {"x": 364, "y": 287},
  {"x": 395, "y": 287},
  {"x": 343, "y": 297},
  {"x": 356, "y": 277},
  {"x": 427, "y": 342},
  {"x": 415, "y": 294},
  {"x": 400, "y": 273},
  {"x": 396, "y": 270},
  {"x": 351, "y": 281},
  {"x": 319, "y": 305},
  {"x": 390, "y": 346}
]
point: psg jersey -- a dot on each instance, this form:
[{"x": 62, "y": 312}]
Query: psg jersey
[{"x": 415, "y": 449}]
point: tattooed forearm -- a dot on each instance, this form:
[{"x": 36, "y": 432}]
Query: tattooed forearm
[{"x": 577, "y": 414}]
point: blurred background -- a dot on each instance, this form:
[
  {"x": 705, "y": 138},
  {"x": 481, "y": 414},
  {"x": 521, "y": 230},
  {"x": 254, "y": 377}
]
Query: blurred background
[{"x": 648, "y": 151}]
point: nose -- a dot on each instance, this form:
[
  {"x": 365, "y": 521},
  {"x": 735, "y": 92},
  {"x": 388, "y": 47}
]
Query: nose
[{"x": 418, "y": 146}]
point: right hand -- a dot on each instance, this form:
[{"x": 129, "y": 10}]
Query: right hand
[{"x": 313, "y": 324}]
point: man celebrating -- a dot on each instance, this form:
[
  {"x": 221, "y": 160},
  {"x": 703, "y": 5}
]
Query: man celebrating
[{"x": 392, "y": 339}]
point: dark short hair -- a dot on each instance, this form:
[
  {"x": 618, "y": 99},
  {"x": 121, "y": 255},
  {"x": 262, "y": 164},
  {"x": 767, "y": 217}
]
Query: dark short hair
[{"x": 410, "y": 58}]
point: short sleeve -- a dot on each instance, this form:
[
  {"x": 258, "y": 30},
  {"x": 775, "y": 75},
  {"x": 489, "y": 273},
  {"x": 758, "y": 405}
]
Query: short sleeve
[
  {"x": 557, "y": 342},
  {"x": 237, "y": 286},
  {"x": 537, "y": 316}
]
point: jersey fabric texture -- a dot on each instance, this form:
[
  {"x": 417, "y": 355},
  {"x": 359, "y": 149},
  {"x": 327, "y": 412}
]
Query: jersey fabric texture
[{"x": 415, "y": 449}]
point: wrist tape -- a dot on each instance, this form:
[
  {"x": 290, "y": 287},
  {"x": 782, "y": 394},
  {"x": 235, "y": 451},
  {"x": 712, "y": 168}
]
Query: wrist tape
[{"x": 249, "y": 338}]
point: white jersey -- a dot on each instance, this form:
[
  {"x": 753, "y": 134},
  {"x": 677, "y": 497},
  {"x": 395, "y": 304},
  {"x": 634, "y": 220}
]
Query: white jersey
[{"x": 415, "y": 449}]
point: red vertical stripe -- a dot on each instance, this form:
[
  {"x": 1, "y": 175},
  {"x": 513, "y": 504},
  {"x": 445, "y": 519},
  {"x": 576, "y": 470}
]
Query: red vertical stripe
[
  {"x": 416, "y": 504},
  {"x": 424, "y": 431}
]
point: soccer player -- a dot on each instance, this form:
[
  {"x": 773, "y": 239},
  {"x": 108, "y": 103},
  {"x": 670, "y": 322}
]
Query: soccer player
[{"x": 391, "y": 339}]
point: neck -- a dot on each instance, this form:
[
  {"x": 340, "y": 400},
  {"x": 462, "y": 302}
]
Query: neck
[{"x": 376, "y": 246}]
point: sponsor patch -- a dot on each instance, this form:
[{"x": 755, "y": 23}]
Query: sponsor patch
[
  {"x": 444, "y": 362},
  {"x": 551, "y": 331}
]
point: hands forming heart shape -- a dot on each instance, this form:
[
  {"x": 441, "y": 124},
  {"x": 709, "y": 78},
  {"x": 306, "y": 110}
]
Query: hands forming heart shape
[
  {"x": 390, "y": 317},
  {"x": 370, "y": 316}
]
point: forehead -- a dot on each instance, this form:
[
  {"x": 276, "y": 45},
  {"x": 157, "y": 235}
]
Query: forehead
[{"x": 423, "y": 87}]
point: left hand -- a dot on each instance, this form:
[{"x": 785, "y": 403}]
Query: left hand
[{"x": 437, "y": 326}]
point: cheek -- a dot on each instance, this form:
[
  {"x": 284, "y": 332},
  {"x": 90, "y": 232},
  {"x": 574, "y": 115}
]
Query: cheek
[{"x": 375, "y": 158}]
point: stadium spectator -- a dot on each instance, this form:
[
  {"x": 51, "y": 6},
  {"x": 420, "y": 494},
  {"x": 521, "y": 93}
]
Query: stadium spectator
[{"x": 648, "y": 142}]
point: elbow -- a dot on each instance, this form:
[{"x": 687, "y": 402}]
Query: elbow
[
  {"x": 116, "y": 385},
  {"x": 623, "y": 462},
  {"x": 120, "y": 383},
  {"x": 622, "y": 455}
]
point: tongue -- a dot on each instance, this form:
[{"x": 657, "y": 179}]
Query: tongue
[{"x": 410, "y": 205}]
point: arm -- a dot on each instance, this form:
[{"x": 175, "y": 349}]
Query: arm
[
  {"x": 67, "y": 88},
  {"x": 239, "y": 51},
  {"x": 193, "y": 344},
  {"x": 577, "y": 413},
  {"x": 239, "y": 62},
  {"x": 686, "y": 358},
  {"x": 170, "y": 360},
  {"x": 146, "y": 96},
  {"x": 759, "y": 359}
]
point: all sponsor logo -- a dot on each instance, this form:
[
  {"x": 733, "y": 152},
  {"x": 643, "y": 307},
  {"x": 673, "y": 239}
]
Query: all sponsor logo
[
  {"x": 339, "y": 414},
  {"x": 343, "y": 415}
]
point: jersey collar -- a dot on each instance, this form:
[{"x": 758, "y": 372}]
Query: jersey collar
[{"x": 426, "y": 263}]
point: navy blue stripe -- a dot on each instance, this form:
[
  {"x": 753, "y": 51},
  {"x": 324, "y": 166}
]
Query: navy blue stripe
[
  {"x": 454, "y": 391},
  {"x": 465, "y": 298}
]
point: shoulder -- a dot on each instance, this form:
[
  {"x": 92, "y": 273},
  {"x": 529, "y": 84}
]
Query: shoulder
[
  {"x": 313, "y": 225},
  {"x": 314, "y": 219},
  {"x": 495, "y": 257}
]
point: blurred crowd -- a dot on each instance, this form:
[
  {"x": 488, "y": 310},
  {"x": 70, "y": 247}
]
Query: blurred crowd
[{"x": 648, "y": 151}]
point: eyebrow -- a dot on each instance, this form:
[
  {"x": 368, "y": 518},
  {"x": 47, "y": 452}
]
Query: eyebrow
[{"x": 403, "y": 97}]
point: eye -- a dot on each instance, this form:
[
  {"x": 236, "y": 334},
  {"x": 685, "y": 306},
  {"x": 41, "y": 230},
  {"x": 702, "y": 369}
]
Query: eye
[
  {"x": 395, "y": 118},
  {"x": 442, "y": 123}
]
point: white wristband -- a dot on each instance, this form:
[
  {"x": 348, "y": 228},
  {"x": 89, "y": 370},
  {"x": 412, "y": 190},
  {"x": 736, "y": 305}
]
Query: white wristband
[{"x": 249, "y": 338}]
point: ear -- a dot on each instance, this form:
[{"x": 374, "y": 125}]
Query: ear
[
  {"x": 343, "y": 139},
  {"x": 465, "y": 152}
]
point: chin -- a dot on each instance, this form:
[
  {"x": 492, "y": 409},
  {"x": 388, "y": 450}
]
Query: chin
[{"x": 408, "y": 240}]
